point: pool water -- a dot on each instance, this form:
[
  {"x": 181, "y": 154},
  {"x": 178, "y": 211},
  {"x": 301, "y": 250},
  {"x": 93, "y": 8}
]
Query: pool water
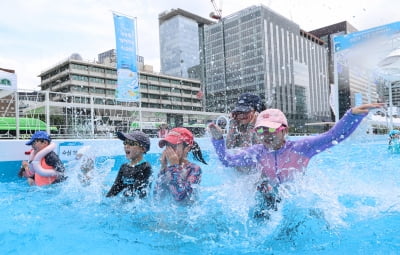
[{"x": 346, "y": 203}]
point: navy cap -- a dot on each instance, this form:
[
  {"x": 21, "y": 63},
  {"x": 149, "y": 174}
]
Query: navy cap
[
  {"x": 138, "y": 136},
  {"x": 39, "y": 135},
  {"x": 247, "y": 102}
]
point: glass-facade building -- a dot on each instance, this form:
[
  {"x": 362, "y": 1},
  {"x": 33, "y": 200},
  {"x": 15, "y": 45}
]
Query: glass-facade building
[
  {"x": 179, "y": 33},
  {"x": 259, "y": 51}
]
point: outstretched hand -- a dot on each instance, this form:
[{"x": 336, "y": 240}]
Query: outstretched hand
[
  {"x": 365, "y": 108},
  {"x": 215, "y": 131}
]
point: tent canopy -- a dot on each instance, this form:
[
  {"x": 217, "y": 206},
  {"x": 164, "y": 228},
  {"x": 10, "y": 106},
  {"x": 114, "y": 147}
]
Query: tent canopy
[{"x": 25, "y": 124}]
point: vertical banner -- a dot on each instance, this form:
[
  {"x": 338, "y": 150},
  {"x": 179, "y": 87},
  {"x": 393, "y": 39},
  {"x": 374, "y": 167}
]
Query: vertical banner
[{"x": 128, "y": 82}]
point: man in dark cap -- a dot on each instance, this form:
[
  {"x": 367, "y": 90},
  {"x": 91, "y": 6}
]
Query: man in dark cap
[
  {"x": 133, "y": 177},
  {"x": 241, "y": 127},
  {"x": 244, "y": 115}
]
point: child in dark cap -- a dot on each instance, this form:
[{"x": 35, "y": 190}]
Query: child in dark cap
[
  {"x": 178, "y": 175},
  {"x": 133, "y": 177}
]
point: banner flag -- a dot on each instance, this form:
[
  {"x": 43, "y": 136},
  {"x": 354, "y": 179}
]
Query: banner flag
[{"x": 127, "y": 89}]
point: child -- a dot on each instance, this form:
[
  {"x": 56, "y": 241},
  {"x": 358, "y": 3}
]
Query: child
[
  {"x": 394, "y": 139},
  {"x": 280, "y": 160},
  {"x": 133, "y": 177},
  {"x": 178, "y": 174},
  {"x": 44, "y": 166}
]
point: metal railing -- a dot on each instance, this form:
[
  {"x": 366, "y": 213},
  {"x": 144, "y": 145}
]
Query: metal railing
[{"x": 80, "y": 116}]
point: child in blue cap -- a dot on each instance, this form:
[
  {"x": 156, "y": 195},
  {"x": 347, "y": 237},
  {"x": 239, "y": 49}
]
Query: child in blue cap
[{"x": 44, "y": 166}]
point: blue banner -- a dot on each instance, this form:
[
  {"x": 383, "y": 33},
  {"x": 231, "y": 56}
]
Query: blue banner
[
  {"x": 128, "y": 82},
  {"x": 347, "y": 41}
]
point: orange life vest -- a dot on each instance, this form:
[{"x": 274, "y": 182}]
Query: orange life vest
[{"x": 44, "y": 180}]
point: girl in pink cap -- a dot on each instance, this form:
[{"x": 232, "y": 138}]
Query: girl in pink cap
[
  {"x": 178, "y": 175},
  {"x": 280, "y": 160}
]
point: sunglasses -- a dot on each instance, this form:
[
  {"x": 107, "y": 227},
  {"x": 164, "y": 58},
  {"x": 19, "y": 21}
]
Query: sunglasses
[
  {"x": 237, "y": 114},
  {"x": 268, "y": 131},
  {"x": 131, "y": 143}
]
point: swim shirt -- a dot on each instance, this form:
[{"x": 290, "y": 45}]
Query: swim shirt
[
  {"x": 178, "y": 180},
  {"x": 278, "y": 166},
  {"x": 133, "y": 179}
]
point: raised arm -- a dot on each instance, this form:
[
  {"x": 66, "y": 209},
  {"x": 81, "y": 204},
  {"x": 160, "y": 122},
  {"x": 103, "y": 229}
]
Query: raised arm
[
  {"x": 244, "y": 157},
  {"x": 343, "y": 129},
  {"x": 365, "y": 108}
]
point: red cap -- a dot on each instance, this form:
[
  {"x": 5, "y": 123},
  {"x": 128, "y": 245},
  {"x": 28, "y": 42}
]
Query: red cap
[{"x": 177, "y": 136}]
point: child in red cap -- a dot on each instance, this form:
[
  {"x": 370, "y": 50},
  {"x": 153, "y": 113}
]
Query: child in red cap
[{"x": 177, "y": 173}]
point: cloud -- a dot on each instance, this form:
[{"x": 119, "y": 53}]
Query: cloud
[{"x": 38, "y": 34}]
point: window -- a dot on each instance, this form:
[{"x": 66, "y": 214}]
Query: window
[
  {"x": 153, "y": 96},
  {"x": 152, "y": 78},
  {"x": 165, "y": 89},
  {"x": 175, "y": 90},
  {"x": 153, "y": 87}
]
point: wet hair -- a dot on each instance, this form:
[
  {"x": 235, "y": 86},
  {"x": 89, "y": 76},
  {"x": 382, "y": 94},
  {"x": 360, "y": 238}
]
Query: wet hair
[{"x": 196, "y": 151}]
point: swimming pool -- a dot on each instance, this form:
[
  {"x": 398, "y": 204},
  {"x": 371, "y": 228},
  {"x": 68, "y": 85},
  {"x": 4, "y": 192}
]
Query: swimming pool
[{"x": 346, "y": 203}]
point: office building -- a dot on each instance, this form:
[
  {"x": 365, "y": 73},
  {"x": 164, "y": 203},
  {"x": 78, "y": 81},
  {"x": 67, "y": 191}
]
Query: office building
[
  {"x": 259, "y": 51},
  {"x": 164, "y": 98},
  {"x": 181, "y": 43},
  {"x": 354, "y": 83}
]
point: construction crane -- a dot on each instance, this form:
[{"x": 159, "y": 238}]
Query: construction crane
[{"x": 217, "y": 13}]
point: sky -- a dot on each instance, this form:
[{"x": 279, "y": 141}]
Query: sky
[{"x": 37, "y": 34}]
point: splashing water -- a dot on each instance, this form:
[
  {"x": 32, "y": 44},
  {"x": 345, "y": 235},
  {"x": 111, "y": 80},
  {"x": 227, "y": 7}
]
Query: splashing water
[{"x": 346, "y": 202}]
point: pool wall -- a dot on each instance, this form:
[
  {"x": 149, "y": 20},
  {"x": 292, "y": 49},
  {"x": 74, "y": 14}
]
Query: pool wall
[{"x": 12, "y": 152}]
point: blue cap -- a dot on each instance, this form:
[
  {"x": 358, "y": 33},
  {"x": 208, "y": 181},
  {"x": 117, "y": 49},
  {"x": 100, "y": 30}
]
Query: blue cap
[
  {"x": 39, "y": 135},
  {"x": 394, "y": 132}
]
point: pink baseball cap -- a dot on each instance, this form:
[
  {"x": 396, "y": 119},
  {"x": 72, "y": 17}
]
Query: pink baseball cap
[{"x": 272, "y": 118}]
